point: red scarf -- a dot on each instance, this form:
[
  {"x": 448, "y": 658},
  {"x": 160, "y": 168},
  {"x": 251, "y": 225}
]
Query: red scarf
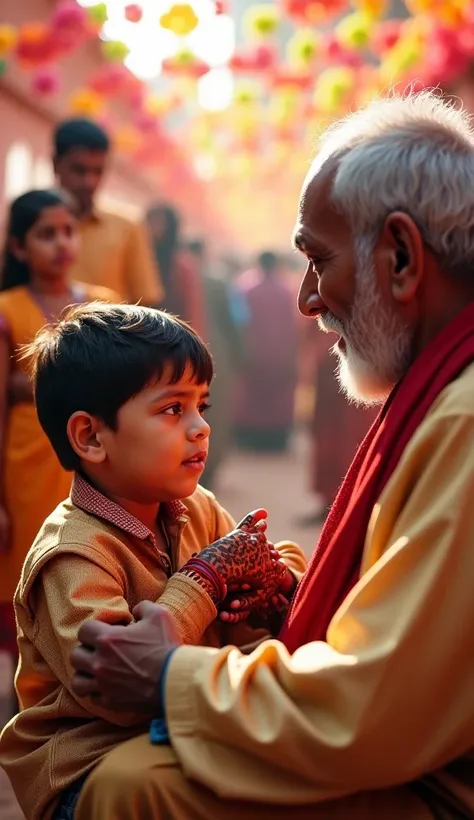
[{"x": 335, "y": 565}]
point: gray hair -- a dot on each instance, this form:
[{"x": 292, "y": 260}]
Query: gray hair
[{"x": 414, "y": 154}]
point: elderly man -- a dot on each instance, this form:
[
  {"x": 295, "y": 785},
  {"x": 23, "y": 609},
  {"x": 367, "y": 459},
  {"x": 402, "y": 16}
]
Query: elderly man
[{"x": 365, "y": 708}]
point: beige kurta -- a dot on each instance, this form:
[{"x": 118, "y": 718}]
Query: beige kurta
[{"x": 389, "y": 698}]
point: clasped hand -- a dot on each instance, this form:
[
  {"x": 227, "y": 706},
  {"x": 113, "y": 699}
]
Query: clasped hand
[{"x": 251, "y": 568}]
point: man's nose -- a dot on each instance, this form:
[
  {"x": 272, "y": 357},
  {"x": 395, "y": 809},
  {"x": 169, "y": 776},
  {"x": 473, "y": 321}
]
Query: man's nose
[{"x": 310, "y": 303}]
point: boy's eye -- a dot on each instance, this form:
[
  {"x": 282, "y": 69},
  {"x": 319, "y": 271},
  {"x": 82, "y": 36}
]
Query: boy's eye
[
  {"x": 204, "y": 407},
  {"x": 174, "y": 410}
]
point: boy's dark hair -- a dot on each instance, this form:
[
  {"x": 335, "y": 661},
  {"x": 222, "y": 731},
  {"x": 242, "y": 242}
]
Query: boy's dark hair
[
  {"x": 98, "y": 356},
  {"x": 79, "y": 133}
]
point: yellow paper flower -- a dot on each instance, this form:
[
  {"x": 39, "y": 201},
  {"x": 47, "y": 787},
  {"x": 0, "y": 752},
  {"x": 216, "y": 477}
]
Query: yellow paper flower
[
  {"x": 245, "y": 94},
  {"x": 332, "y": 88},
  {"x": 86, "y": 102},
  {"x": 98, "y": 13},
  {"x": 261, "y": 20},
  {"x": 115, "y": 50},
  {"x": 400, "y": 59},
  {"x": 355, "y": 30},
  {"x": 303, "y": 47},
  {"x": 8, "y": 38},
  {"x": 181, "y": 19}
]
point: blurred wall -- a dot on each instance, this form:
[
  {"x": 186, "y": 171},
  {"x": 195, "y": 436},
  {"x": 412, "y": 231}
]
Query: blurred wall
[{"x": 25, "y": 135}]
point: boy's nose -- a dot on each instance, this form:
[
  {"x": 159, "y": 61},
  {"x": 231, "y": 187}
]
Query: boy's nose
[{"x": 200, "y": 430}]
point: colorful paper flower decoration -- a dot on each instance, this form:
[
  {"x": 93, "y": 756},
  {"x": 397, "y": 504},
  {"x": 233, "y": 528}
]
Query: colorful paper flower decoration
[
  {"x": 303, "y": 47},
  {"x": 261, "y": 20},
  {"x": 333, "y": 88},
  {"x": 133, "y": 13},
  {"x": 313, "y": 12},
  {"x": 355, "y": 30},
  {"x": 35, "y": 45},
  {"x": 45, "y": 82},
  {"x": 374, "y": 8},
  {"x": 85, "y": 102},
  {"x": 181, "y": 19},
  {"x": 115, "y": 50},
  {"x": 185, "y": 63},
  {"x": 449, "y": 12},
  {"x": 8, "y": 38},
  {"x": 255, "y": 60},
  {"x": 98, "y": 13}
]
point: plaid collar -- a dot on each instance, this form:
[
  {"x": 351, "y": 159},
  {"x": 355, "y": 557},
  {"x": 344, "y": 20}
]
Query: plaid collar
[{"x": 92, "y": 501}]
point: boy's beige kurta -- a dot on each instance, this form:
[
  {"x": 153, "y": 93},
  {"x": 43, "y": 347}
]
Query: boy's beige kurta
[
  {"x": 82, "y": 566},
  {"x": 389, "y": 699}
]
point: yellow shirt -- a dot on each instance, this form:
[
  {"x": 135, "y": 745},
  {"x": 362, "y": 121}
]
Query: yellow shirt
[
  {"x": 92, "y": 559},
  {"x": 117, "y": 254},
  {"x": 389, "y": 698}
]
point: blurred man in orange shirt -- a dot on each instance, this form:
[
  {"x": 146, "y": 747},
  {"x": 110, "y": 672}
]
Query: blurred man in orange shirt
[{"x": 115, "y": 252}]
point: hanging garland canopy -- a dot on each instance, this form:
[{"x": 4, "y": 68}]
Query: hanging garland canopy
[{"x": 298, "y": 64}]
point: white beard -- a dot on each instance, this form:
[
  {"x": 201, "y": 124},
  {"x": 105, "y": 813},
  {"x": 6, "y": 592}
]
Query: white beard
[{"x": 378, "y": 344}]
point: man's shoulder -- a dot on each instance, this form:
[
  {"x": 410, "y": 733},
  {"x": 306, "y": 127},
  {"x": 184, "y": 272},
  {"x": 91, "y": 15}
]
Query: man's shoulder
[
  {"x": 116, "y": 222},
  {"x": 457, "y": 399}
]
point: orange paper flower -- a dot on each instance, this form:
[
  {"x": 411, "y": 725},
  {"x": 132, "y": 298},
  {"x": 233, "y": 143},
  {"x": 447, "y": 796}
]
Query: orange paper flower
[{"x": 8, "y": 38}]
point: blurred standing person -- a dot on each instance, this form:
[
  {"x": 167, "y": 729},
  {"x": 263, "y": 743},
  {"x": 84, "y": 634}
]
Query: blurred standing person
[
  {"x": 183, "y": 287},
  {"x": 337, "y": 429},
  {"x": 267, "y": 392},
  {"x": 225, "y": 343},
  {"x": 114, "y": 251},
  {"x": 41, "y": 247}
]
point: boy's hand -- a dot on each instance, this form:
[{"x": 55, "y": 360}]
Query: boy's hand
[{"x": 244, "y": 556}]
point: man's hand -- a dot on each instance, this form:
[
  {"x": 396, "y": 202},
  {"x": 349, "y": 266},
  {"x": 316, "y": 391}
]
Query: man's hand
[
  {"x": 273, "y": 597},
  {"x": 120, "y": 667}
]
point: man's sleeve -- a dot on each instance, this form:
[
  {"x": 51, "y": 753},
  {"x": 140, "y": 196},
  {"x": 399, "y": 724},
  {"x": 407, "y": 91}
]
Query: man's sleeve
[
  {"x": 142, "y": 276},
  {"x": 388, "y": 697}
]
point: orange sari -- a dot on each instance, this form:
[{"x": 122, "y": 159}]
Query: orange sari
[{"x": 34, "y": 481}]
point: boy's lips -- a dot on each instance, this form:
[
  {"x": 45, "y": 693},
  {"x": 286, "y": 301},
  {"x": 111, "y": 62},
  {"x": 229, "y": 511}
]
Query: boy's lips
[{"x": 196, "y": 461}]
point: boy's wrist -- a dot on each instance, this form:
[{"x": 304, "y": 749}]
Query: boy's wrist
[{"x": 207, "y": 577}]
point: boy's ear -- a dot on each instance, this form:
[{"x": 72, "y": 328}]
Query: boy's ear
[{"x": 83, "y": 432}]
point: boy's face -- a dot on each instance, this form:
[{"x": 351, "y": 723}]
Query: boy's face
[{"x": 159, "y": 449}]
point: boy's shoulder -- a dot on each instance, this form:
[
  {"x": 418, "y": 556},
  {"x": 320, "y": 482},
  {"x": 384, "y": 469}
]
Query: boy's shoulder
[{"x": 73, "y": 530}]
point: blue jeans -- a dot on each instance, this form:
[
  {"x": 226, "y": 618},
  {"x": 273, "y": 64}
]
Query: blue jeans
[{"x": 68, "y": 800}]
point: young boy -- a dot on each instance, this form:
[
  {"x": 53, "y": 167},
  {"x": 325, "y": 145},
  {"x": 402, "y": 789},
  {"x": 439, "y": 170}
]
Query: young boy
[{"x": 121, "y": 393}]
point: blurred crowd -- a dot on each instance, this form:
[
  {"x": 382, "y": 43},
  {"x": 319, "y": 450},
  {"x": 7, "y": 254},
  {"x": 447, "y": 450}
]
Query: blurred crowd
[{"x": 273, "y": 376}]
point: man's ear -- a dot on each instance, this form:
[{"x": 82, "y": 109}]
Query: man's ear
[
  {"x": 405, "y": 254},
  {"x": 84, "y": 434}
]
